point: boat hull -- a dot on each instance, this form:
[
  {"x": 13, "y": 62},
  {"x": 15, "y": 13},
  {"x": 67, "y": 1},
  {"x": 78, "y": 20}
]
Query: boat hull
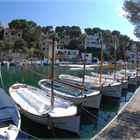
[
  {"x": 110, "y": 90},
  {"x": 35, "y": 104},
  {"x": 9, "y": 117},
  {"x": 88, "y": 99},
  {"x": 132, "y": 80},
  {"x": 61, "y": 123}
]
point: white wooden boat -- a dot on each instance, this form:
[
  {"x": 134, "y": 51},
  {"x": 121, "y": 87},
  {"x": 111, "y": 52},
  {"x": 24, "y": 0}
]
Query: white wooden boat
[
  {"x": 138, "y": 74},
  {"x": 10, "y": 120},
  {"x": 130, "y": 74},
  {"x": 106, "y": 88},
  {"x": 89, "y": 98},
  {"x": 114, "y": 77},
  {"x": 79, "y": 69},
  {"x": 35, "y": 104}
]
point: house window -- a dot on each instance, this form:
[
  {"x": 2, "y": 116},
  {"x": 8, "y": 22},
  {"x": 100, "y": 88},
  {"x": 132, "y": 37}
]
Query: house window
[
  {"x": 44, "y": 43},
  {"x": 43, "y": 49},
  {"x": 12, "y": 33},
  {"x": 18, "y": 35}
]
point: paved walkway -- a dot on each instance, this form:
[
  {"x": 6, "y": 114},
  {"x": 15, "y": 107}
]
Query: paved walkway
[{"x": 126, "y": 125}]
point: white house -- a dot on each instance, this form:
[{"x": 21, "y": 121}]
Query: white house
[
  {"x": 46, "y": 46},
  {"x": 134, "y": 55},
  {"x": 94, "y": 41},
  {"x": 88, "y": 57},
  {"x": 67, "y": 53}
]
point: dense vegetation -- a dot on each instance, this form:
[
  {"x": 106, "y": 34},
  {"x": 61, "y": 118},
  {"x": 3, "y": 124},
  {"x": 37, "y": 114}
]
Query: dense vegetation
[
  {"x": 132, "y": 9},
  {"x": 31, "y": 33}
]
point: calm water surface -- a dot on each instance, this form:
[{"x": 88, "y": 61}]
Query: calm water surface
[{"x": 91, "y": 122}]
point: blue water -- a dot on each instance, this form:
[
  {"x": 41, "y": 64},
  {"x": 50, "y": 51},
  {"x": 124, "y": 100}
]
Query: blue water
[{"x": 92, "y": 121}]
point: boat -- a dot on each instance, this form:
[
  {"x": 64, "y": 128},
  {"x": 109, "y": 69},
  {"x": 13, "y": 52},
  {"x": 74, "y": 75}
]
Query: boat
[
  {"x": 114, "y": 77},
  {"x": 130, "y": 74},
  {"x": 111, "y": 89},
  {"x": 87, "y": 98},
  {"x": 10, "y": 120},
  {"x": 79, "y": 69},
  {"x": 36, "y": 105},
  {"x": 75, "y": 95}
]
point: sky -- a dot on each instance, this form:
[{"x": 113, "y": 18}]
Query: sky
[{"x": 105, "y": 14}]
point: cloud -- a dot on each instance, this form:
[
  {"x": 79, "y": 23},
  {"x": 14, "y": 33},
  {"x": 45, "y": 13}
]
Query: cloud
[{"x": 121, "y": 12}]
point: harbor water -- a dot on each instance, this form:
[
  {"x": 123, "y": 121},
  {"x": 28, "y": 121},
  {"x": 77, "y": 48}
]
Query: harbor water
[{"x": 92, "y": 121}]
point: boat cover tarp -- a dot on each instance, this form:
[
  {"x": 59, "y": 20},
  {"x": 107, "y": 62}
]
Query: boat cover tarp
[{"x": 7, "y": 108}]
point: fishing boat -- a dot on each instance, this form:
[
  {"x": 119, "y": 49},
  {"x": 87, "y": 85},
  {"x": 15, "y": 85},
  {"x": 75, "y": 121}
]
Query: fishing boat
[
  {"x": 38, "y": 106},
  {"x": 77, "y": 96},
  {"x": 130, "y": 74},
  {"x": 10, "y": 120},
  {"x": 114, "y": 77},
  {"x": 138, "y": 74},
  {"x": 111, "y": 89},
  {"x": 87, "y": 98}
]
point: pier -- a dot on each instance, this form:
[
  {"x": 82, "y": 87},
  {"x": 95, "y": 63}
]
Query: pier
[{"x": 126, "y": 124}]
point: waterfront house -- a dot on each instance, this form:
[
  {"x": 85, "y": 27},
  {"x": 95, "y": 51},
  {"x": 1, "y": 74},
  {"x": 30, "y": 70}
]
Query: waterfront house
[
  {"x": 88, "y": 57},
  {"x": 63, "y": 54},
  {"x": 12, "y": 35},
  {"x": 133, "y": 55},
  {"x": 46, "y": 46}
]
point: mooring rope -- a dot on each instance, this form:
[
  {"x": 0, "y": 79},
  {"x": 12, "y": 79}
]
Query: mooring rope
[
  {"x": 55, "y": 80},
  {"x": 93, "y": 114},
  {"x": 52, "y": 127},
  {"x": 116, "y": 91}
]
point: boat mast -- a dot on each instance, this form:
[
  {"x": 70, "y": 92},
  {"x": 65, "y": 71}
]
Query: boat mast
[
  {"x": 115, "y": 47},
  {"x": 137, "y": 62},
  {"x": 84, "y": 63},
  {"x": 101, "y": 57},
  {"x": 52, "y": 73},
  {"x": 125, "y": 60}
]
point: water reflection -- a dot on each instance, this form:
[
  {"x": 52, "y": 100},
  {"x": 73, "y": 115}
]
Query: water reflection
[{"x": 91, "y": 122}]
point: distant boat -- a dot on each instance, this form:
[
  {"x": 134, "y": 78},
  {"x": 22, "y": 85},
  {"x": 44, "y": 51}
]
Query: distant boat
[
  {"x": 130, "y": 74},
  {"x": 79, "y": 69},
  {"x": 112, "y": 89},
  {"x": 35, "y": 104},
  {"x": 89, "y": 98},
  {"x": 10, "y": 120},
  {"x": 118, "y": 78}
]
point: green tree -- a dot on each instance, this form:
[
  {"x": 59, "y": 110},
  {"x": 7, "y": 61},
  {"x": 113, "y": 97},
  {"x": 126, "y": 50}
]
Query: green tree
[
  {"x": 2, "y": 45},
  {"x": 74, "y": 44},
  {"x": 88, "y": 31},
  {"x": 1, "y": 31},
  {"x": 132, "y": 8},
  {"x": 47, "y": 30},
  {"x": 38, "y": 53},
  {"x": 30, "y": 31},
  {"x": 20, "y": 45},
  {"x": 74, "y": 31}
]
